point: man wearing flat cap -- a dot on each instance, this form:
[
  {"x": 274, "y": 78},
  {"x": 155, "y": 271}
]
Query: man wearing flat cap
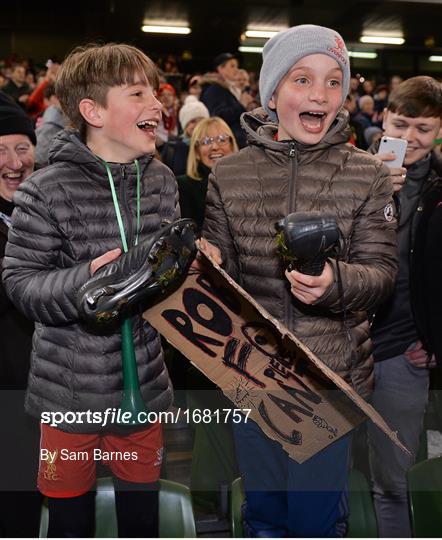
[{"x": 221, "y": 95}]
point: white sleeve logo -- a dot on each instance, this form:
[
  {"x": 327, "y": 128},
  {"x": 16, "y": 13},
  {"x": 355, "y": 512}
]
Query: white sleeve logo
[{"x": 389, "y": 212}]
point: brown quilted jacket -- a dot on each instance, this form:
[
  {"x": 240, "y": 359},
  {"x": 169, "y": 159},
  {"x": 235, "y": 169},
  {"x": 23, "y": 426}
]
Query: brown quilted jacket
[{"x": 251, "y": 190}]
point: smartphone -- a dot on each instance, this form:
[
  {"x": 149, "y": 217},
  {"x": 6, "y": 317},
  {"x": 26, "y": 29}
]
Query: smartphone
[{"x": 396, "y": 146}]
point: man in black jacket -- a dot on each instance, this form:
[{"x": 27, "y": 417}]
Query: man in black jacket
[
  {"x": 19, "y": 450},
  {"x": 222, "y": 96},
  {"x": 17, "y": 88},
  {"x": 406, "y": 330}
]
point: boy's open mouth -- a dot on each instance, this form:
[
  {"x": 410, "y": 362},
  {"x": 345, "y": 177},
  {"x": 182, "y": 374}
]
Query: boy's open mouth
[
  {"x": 312, "y": 121},
  {"x": 148, "y": 125}
]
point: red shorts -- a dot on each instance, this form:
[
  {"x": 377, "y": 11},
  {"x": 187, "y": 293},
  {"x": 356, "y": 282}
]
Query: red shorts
[{"x": 67, "y": 460}]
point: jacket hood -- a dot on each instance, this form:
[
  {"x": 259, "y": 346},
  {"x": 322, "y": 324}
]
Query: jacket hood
[
  {"x": 261, "y": 131},
  {"x": 213, "y": 78},
  {"x": 67, "y": 147}
]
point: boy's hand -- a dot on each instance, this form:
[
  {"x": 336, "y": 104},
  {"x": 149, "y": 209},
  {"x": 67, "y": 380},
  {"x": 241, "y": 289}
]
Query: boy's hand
[
  {"x": 210, "y": 249},
  {"x": 308, "y": 289},
  {"x": 419, "y": 357},
  {"x": 100, "y": 261},
  {"x": 397, "y": 174}
]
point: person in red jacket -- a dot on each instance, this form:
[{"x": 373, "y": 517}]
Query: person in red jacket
[{"x": 36, "y": 104}]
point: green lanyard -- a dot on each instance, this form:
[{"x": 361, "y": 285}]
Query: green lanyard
[
  {"x": 132, "y": 401},
  {"x": 117, "y": 207}
]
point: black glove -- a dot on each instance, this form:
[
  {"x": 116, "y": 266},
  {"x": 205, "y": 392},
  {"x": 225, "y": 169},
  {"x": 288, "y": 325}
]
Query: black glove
[
  {"x": 158, "y": 264},
  {"x": 306, "y": 239}
]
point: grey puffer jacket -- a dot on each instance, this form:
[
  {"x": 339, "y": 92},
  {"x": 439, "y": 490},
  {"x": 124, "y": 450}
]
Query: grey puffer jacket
[
  {"x": 53, "y": 122},
  {"x": 64, "y": 218},
  {"x": 251, "y": 190}
]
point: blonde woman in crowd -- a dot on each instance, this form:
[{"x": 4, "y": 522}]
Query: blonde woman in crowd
[{"x": 212, "y": 139}]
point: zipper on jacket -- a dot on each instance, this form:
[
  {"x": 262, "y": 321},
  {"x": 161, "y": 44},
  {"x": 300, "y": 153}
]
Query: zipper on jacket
[
  {"x": 125, "y": 202},
  {"x": 293, "y": 173},
  {"x": 428, "y": 185},
  {"x": 413, "y": 229},
  {"x": 291, "y": 208},
  {"x": 415, "y": 219},
  {"x": 292, "y": 151}
]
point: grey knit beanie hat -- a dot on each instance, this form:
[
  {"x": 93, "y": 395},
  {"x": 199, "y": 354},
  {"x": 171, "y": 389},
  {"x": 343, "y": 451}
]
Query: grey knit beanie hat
[{"x": 282, "y": 51}]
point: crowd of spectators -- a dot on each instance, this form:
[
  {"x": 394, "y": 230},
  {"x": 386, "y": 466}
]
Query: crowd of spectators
[
  {"x": 200, "y": 124},
  {"x": 227, "y": 92}
]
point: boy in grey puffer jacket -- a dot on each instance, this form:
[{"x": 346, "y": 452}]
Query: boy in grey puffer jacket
[{"x": 64, "y": 228}]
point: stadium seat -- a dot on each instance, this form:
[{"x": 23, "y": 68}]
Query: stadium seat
[
  {"x": 176, "y": 512},
  {"x": 361, "y": 522},
  {"x": 425, "y": 493},
  {"x": 214, "y": 465}
]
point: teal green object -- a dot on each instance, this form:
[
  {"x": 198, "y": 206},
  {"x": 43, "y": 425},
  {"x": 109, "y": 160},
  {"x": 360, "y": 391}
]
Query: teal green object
[
  {"x": 214, "y": 465},
  {"x": 176, "y": 511},
  {"x": 425, "y": 494},
  {"x": 132, "y": 401},
  {"x": 361, "y": 521},
  {"x": 237, "y": 498}
]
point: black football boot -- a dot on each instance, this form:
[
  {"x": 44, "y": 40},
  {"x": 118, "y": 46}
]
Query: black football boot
[
  {"x": 146, "y": 272},
  {"x": 306, "y": 240}
]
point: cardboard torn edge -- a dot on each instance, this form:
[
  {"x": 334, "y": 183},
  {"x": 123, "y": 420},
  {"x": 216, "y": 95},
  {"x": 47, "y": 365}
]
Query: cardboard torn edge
[{"x": 366, "y": 408}]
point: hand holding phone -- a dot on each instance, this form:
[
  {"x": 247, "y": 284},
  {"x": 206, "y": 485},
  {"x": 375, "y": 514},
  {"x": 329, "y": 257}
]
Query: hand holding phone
[
  {"x": 392, "y": 152},
  {"x": 391, "y": 145}
]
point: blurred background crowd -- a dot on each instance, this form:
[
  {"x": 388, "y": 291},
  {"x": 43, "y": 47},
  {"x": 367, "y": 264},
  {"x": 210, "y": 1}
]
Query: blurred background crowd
[{"x": 226, "y": 91}]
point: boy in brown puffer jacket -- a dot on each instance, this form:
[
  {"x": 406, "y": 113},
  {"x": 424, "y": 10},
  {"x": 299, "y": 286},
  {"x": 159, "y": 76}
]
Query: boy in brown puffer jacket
[{"x": 298, "y": 159}]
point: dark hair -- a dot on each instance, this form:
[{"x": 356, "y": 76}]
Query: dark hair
[
  {"x": 90, "y": 71},
  {"x": 417, "y": 96},
  {"x": 221, "y": 59},
  {"x": 381, "y": 88},
  {"x": 49, "y": 91}
]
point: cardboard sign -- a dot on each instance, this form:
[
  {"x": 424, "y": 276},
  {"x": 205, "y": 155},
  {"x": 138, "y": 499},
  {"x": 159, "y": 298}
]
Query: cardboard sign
[{"x": 259, "y": 364}]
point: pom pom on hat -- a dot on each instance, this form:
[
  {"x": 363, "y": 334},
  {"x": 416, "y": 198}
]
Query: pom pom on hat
[{"x": 192, "y": 108}]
